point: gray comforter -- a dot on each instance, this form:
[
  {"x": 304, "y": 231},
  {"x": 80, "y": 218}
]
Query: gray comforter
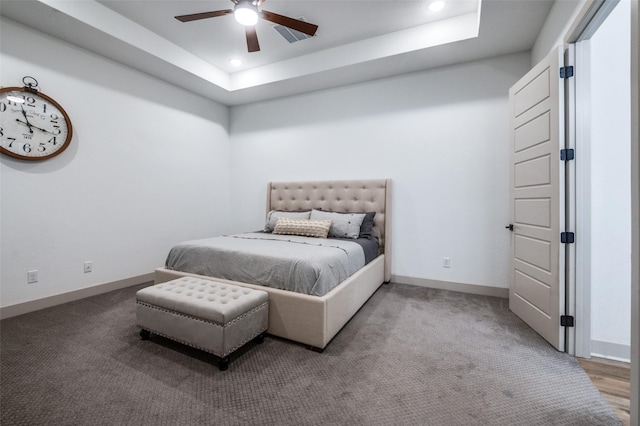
[{"x": 302, "y": 264}]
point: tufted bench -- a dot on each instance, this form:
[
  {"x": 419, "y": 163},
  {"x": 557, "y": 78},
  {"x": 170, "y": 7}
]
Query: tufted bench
[{"x": 212, "y": 316}]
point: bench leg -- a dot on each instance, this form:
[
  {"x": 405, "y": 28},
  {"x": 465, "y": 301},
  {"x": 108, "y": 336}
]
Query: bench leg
[
  {"x": 144, "y": 334},
  {"x": 223, "y": 363},
  {"x": 259, "y": 339}
]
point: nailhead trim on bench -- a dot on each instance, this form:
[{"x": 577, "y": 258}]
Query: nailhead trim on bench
[
  {"x": 257, "y": 308},
  {"x": 239, "y": 317}
]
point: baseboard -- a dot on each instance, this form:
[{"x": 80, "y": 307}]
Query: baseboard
[
  {"x": 608, "y": 350},
  {"x": 59, "y": 299},
  {"x": 482, "y": 290}
]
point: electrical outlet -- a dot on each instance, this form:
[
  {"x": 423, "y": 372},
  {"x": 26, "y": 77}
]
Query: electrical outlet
[
  {"x": 32, "y": 276},
  {"x": 446, "y": 262},
  {"x": 88, "y": 267}
]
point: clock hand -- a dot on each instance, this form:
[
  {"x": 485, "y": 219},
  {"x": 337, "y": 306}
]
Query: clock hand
[
  {"x": 24, "y": 113},
  {"x": 35, "y": 127},
  {"x": 27, "y": 123},
  {"x": 43, "y": 130}
]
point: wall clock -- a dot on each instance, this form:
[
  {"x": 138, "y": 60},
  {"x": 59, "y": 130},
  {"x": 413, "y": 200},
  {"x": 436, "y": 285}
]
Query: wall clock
[{"x": 33, "y": 126}]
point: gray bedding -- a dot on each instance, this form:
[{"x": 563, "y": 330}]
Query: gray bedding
[{"x": 302, "y": 264}]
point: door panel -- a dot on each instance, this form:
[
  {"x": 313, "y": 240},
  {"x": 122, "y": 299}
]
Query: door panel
[
  {"x": 536, "y": 292},
  {"x": 534, "y": 132},
  {"x": 533, "y": 172},
  {"x": 533, "y": 212},
  {"x": 533, "y": 251},
  {"x": 536, "y": 90},
  {"x": 533, "y": 290}
]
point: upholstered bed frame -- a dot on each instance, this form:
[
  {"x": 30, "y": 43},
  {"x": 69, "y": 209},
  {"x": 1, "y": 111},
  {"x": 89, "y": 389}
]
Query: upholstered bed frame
[{"x": 314, "y": 320}]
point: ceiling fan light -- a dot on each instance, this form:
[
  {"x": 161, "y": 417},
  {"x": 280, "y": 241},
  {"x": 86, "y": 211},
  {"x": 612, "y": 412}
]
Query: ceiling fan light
[{"x": 246, "y": 13}]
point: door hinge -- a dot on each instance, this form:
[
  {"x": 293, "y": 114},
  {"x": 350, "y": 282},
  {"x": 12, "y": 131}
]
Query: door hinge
[
  {"x": 567, "y": 237},
  {"x": 567, "y": 321},
  {"x": 566, "y": 72},
  {"x": 567, "y": 154}
]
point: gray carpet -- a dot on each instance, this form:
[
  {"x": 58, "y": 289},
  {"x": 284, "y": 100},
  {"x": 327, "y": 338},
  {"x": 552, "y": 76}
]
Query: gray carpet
[{"x": 411, "y": 356}]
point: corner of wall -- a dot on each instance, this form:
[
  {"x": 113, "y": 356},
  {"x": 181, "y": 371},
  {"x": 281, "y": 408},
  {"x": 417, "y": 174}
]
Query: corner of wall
[
  {"x": 558, "y": 23},
  {"x": 635, "y": 208}
]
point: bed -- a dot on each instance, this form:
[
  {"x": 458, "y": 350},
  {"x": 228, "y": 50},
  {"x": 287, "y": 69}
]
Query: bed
[{"x": 310, "y": 319}]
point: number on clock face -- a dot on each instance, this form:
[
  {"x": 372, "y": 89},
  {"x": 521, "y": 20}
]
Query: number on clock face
[{"x": 32, "y": 125}]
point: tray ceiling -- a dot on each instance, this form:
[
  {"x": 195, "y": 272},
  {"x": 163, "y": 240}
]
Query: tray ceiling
[{"x": 356, "y": 41}]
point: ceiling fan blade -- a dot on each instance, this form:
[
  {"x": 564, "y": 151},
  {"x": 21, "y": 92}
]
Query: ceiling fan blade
[
  {"x": 203, "y": 15},
  {"x": 252, "y": 39},
  {"x": 294, "y": 24}
]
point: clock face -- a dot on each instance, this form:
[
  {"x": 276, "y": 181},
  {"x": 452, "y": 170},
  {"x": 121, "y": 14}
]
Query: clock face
[{"x": 32, "y": 125}]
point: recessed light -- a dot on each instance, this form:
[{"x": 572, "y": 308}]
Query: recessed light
[
  {"x": 235, "y": 62},
  {"x": 435, "y": 6}
]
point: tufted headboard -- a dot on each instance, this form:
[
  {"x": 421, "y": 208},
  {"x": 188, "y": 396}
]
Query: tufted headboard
[{"x": 340, "y": 196}]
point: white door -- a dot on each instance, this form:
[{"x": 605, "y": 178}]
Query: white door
[{"x": 537, "y": 286}]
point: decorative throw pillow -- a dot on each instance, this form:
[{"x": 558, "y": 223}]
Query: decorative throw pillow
[
  {"x": 343, "y": 225},
  {"x": 304, "y": 227},
  {"x": 273, "y": 216},
  {"x": 366, "y": 229}
]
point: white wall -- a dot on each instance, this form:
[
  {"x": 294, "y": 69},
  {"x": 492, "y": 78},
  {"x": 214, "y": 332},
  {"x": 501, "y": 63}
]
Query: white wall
[
  {"x": 148, "y": 166},
  {"x": 561, "y": 16},
  {"x": 611, "y": 186},
  {"x": 441, "y": 135}
]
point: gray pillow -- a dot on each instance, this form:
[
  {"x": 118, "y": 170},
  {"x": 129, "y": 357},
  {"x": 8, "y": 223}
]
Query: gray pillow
[
  {"x": 366, "y": 229},
  {"x": 343, "y": 225},
  {"x": 273, "y": 216}
]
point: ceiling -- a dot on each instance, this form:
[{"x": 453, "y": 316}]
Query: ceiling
[{"x": 357, "y": 40}]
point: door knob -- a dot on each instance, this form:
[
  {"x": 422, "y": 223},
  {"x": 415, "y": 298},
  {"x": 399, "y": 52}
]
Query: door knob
[{"x": 509, "y": 227}]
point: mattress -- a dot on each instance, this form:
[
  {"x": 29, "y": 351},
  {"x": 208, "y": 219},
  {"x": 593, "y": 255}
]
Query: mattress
[{"x": 305, "y": 265}]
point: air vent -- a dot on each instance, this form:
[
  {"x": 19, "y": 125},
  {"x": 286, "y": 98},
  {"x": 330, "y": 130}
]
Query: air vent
[{"x": 291, "y": 35}]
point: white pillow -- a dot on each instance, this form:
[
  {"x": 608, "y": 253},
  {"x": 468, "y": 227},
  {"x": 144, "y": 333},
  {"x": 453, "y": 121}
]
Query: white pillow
[
  {"x": 343, "y": 225},
  {"x": 273, "y": 216}
]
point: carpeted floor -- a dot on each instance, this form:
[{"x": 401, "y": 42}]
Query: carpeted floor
[{"x": 411, "y": 356}]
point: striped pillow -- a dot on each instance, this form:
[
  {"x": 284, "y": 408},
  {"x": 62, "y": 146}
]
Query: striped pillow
[{"x": 302, "y": 227}]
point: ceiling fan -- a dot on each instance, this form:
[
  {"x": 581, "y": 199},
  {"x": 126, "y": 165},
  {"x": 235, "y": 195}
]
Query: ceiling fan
[{"x": 247, "y": 13}]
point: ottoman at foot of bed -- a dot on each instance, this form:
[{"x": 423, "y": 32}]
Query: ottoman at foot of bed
[{"x": 215, "y": 317}]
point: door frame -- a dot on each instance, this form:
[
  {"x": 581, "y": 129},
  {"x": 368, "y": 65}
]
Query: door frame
[
  {"x": 578, "y": 54},
  {"x": 582, "y": 335},
  {"x": 575, "y": 30},
  {"x": 570, "y": 210}
]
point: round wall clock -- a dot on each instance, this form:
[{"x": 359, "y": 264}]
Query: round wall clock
[{"x": 32, "y": 125}]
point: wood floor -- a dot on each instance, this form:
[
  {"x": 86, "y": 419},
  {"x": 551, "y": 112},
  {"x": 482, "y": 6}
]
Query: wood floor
[{"x": 612, "y": 378}]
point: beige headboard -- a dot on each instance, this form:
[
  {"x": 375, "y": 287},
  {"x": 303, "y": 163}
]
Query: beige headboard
[{"x": 340, "y": 196}]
